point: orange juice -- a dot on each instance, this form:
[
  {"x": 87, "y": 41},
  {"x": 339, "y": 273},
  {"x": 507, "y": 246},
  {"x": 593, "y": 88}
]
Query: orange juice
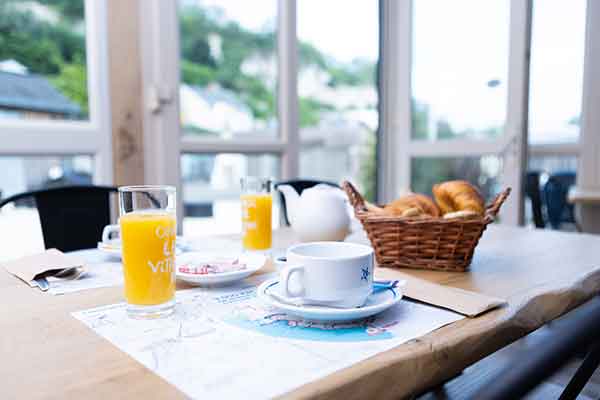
[
  {"x": 256, "y": 221},
  {"x": 148, "y": 239}
]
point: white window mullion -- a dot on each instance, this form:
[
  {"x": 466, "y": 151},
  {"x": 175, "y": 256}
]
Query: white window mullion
[
  {"x": 588, "y": 175},
  {"x": 287, "y": 93},
  {"x": 199, "y": 145},
  {"x": 395, "y": 95},
  {"x": 515, "y": 153},
  {"x": 159, "y": 44},
  {"x": 98, "y": 88}
]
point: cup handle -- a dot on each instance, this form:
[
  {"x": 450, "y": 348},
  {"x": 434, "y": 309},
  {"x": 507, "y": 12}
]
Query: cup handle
[
  {"x": 108, "y": 231},
  {"x": 286, "y": 274}
]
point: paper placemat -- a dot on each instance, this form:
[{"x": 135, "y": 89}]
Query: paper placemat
[{"x": 223, "y": 343}]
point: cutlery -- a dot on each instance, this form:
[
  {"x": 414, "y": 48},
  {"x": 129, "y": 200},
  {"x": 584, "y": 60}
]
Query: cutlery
[
  {"x": 379, "y": 286},
  {"x": 70, "y": 273},
  {"x": 42, "y": 284}
]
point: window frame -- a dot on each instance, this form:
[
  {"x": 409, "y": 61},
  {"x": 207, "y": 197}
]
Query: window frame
[
  {"x": 397, "y": 71},
  {"x": 396, "y": 148},
  {"x": 69, "y": 138},
  {"x": 164, "y": 142}
]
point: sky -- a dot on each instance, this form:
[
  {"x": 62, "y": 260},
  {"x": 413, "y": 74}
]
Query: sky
[{"x": 459, "y": 46}]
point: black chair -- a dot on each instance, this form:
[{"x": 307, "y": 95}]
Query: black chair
[
  {"x": 299, "y": 185},
  {"x": 72, "y": 217},
  {"x": 556, "y": 191},
  {"x": 576, "y": 332},
  {"x": 532, "y": 190}
]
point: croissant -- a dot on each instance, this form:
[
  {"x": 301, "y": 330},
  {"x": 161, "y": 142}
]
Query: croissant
[
  {"x": 411, "y": 205},
  {"x": 453, "y": 196}
]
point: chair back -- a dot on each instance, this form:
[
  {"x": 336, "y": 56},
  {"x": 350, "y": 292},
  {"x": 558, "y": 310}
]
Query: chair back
[
  {"x": 532, "y": 190},
  {"x": 71, "y": 217},
  {"x": 299, "y": 185},
  {"x": 556, "y": 191}
]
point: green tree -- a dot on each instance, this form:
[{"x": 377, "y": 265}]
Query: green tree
[
  {"x": 54, "y": 50},
  {"x": 72, "y": 82},
  {"x": 368, "y": 169}
]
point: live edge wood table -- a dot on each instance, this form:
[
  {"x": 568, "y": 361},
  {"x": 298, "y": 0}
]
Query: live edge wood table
[{"x": 46, "y": 353}]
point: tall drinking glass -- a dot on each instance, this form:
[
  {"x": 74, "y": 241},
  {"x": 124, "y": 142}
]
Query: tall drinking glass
[
  {"x": 148, "y": 229},
  {"x": 257, "y": 205}
]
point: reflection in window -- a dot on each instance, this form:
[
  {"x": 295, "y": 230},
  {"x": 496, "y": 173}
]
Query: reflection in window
[
  {"x": 337, "y": 89},
  {"x": 43, "y": 60},
  {"x": 556, "y": 75},
  {"x": 211, "y": 190},
  {"x": 20, "y": 230},
  {"x": 33, "y": 172},
  {"x": 228, "y": 67},
  {"x": 482, "y": 172},
  {"x": 460, "y": 68}
]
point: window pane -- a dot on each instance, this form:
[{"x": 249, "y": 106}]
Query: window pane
[
  {"x": 228, "y": 68},
  {"x": 32, "y": 173},
  {"x": 337, "y": 89},
  {"x": 211, "y": 190},
  {"x": 556, "y": 75},
  {"x": 20, "y": 231},
  {"x": 43, "y": 60},
  {"x": 482, "y": 172},
  {"x": 460, "y": 68}
]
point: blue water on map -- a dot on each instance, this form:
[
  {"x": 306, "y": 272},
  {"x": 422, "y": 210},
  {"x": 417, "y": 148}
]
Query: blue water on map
[{"x": 335, "y": 334}]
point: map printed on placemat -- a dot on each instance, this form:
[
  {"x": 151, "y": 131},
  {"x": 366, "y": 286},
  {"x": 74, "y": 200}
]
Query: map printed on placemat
[{"x": 224, "y": 343}]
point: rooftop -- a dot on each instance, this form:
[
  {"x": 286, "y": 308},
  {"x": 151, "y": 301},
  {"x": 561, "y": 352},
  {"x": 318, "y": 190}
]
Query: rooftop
[{"x": 33, "y": 93}]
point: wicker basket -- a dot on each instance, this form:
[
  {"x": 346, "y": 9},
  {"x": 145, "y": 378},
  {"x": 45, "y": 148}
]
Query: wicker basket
[{"x": 432, "y": 243}]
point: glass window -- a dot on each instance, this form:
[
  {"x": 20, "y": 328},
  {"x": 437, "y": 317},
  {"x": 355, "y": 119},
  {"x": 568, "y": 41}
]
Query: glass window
[
  {"x": 337, "y": 91},
  {"x": 20, "y": 231},
  {"x": 460, "y": 68},
  {"x": 33, "y": 172},
  {"x": 43, "y": 60},
  {"x": 555, "y": 176},
  {"x": 556, "y": 75},
  {"x": 482, "y": 172},
  {"x": 211, "y": 190},
  {"x": 228, "y": 68}
]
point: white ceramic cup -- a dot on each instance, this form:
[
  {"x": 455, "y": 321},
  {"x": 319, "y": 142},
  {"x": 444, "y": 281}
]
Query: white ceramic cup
[
  {"x": 110, "y": 232},
  {"x": 329, "y": 273}
]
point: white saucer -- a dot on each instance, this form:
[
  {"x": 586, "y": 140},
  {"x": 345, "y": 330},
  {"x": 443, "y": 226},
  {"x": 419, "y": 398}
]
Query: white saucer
[
  {"x": 376, "y": 303},
  {"x": 112, "y": 248},
  {"x": 253, "y": 262}
]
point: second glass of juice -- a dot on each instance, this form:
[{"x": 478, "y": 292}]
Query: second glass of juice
[{"x": 257, "y": 205}]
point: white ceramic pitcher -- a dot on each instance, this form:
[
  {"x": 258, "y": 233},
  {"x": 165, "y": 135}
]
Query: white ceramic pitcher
[{"x": 319, "y": 214}]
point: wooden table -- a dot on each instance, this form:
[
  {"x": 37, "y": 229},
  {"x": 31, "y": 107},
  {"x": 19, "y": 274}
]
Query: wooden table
[{"x": 44, "y": 352}]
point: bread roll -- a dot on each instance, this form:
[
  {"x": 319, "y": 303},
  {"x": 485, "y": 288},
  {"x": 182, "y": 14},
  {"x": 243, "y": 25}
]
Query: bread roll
[
  {"x": 453, "y": 196},
  {"x": 409, "y": 206},
  {"x": 465, "y": 214}
]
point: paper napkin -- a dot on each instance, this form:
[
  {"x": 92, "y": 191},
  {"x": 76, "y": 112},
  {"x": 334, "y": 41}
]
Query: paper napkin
[
  {"x": 39, "y": 265},
  {"x": 461, "y": 301}
]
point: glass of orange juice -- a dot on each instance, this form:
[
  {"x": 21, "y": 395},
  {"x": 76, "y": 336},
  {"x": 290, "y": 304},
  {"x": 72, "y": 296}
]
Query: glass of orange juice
[
  {"x": 257, "y": 205},
  {"x": 148, "y": 229}
]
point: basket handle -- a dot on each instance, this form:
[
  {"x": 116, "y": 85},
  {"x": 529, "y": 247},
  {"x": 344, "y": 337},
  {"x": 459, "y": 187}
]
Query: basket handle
[
  {"x": 494, "y": 207},
  {"x": 356, "y": 199}
]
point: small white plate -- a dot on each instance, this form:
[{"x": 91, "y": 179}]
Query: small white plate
[
  {"x": 253, "y": 262},
  {"x": 376, "y": 303}
]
